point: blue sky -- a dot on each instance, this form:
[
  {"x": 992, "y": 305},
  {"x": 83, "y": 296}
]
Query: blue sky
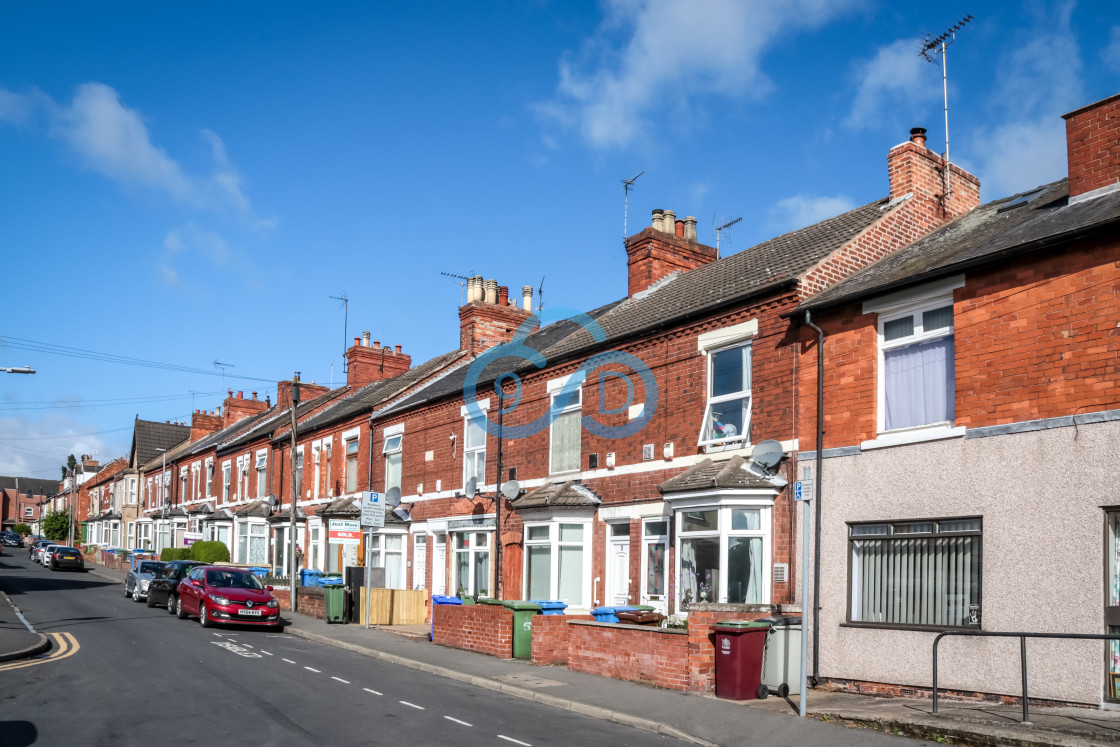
[{"x": 190, "y": 183}]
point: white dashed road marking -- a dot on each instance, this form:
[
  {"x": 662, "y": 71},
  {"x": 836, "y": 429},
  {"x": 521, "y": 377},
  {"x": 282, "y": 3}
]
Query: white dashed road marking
[
  {"x": 515, "y": 741},
  {"x": 452, "y": 718},
  {"x": 265, "y": 652},
  {"x": 411, "y": 705},
  {"x": 345, "y": 682},
  {"x": 289, "y": 661},
  {"x": 311, "y": 669},
  {"x": 371, "y": 691}
]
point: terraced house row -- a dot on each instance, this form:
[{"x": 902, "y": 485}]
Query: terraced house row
[{"x": 944, "y": 370}]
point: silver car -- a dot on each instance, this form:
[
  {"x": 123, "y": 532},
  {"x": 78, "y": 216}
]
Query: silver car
[
  {"x": 138, "y": 578},
  {"x": 41, "y": 556}
]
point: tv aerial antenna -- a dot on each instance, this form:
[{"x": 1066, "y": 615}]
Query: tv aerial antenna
[
  {"x": 719, "y": 232},
  {"x": 929, "y": 50},
  {"x": 540, "y": 295},
  {"x": 223, "y": 366},
  {"x": 627, "y": 185},
  {"x": 345, "y": 299},
  {"x": 462, "y": 284}
]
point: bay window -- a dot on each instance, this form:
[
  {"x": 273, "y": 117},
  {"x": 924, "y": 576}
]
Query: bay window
[
  {"x": 727, "y": 418},
  {"x": 472, "y": 563},
  {"x": 387, "y": 551},
  {"x": 916, "y": 572},
  {"x": 558, "y": 561},
  {"x": 723, "y": 554},
  {"x": 252, "y": 543}
]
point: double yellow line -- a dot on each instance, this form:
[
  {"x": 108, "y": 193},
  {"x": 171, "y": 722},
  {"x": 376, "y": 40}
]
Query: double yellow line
[{"x": 64, "y": 645}]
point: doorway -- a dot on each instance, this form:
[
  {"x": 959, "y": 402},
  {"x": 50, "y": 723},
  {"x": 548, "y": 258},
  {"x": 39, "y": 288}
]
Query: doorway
[
  {"x": 618, "y": 564},
  {"x": 419, "y": 561},
  {"x": 655, "y": 554},
  {"x": 439, "y": 565}
]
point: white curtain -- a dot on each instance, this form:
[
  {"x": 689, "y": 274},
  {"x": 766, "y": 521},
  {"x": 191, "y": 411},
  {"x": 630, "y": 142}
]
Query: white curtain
[
  {"x": 566, "y": 441},
  {"x": 919, "y": 384},
  {"x": 688, "y": 590}
]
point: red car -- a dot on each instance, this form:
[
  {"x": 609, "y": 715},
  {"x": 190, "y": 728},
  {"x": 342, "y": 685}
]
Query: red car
[{"x": 216, "y": 594}]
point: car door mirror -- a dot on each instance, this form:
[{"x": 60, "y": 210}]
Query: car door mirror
[
  {"x": 268, "y": 588},
  {"x": 196, "y": 583}
]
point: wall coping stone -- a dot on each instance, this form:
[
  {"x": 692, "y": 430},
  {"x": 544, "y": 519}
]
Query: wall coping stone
[{"x": 625, "y": 626}]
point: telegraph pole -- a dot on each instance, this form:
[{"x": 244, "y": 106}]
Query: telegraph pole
[{"x": 295, "y": 498}]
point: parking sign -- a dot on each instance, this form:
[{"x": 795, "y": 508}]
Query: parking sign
[{"x": 373, "y": 510}]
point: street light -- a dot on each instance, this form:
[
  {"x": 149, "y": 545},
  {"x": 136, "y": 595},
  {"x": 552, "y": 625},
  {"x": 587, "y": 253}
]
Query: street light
[
  {"x": 163, "y": 492},
  {"x": 295, "y": 499},
  {"x": 19, "y": 369}
]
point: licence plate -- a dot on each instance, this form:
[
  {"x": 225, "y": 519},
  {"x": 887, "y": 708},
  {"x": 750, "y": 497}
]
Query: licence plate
[
  {"x": 254, "y": 613},
  {"x": 69, "y": 557}
]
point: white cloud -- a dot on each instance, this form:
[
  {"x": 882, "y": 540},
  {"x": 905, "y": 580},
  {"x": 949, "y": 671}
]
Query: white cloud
[
  {"x": 803, "y": 210},
  {"x": 38, "y": 448},
  {"x": 189, "y": 243},
  {"x": 1111, "y": 53},
  {"x": 1028, "y": 146},
  {"x": 895, "y": 82},
  {"x": 662, "y": 56}
]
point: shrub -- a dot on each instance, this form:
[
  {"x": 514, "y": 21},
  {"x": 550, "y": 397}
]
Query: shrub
[
  {"x": 175, "y": 553},
  {"x": 21, "y": 529},
  {"x": 210, "y": 552}
]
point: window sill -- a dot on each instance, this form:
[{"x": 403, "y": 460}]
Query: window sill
[
  {"x": 715, "y": 447},
  {"x": 913, "y": 436},
  {"x": 913, "y": 628}
]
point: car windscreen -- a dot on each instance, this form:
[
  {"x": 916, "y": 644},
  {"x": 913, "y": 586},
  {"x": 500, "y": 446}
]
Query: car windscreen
[
  {"x": 149, "y": 567},
  {"x": 233, "y": 580},
  {"x": 63, "y": 548}
]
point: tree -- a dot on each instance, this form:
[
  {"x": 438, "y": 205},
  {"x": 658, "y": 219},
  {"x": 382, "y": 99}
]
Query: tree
[
  {"x": 21, "y": 529},
  {"x": 56, "y": 525},
  {"x": 70, "y": 468}
]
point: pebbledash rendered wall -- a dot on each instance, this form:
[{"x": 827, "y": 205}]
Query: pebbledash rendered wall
[{"x": 1040, "y": 494}]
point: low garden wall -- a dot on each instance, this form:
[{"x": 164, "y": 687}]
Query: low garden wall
[
  {"x": 641, "y": 653},
  {"x": 309, "y": 601},
  {"x": 551, "y": 634},
  {"x": 702, "y": 618},
  {"x": 485, "y": 628}
]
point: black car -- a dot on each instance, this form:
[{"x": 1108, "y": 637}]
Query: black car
[
  {"x": 164, "y": 588},
  {"x": 11, "y": 539},
  {"x": 65, "y": 557}
]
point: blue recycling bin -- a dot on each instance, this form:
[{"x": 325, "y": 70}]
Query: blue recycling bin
[
  {"x": 607, "y": 614},
  {"x": 309, "y": 577},
  {"x": 440, "y": 599},
  {"x": 550, "y": 606},
  {"x": 260, "y": 571}
]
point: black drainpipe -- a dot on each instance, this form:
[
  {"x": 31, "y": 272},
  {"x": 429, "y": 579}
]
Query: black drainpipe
[{"x": 817, "y": 485}]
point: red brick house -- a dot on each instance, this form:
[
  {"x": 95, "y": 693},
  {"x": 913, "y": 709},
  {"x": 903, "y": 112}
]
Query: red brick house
[{"x": 970, "y": 442}]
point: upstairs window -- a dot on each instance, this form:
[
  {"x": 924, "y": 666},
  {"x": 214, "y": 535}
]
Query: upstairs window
[
  {"x": 474, "y": 452},
  {"x": 262, "y": 474},
  {"x": 316, "y": 455},
  {"x": 132, "y": 491},
  {"x": 566, "y": 429},
  {"x": 299, "y": 473},
  {"x": 209, "y": 475},
  {"x": 225, "y": 482},
  {"x": 330, "y": 486},
  {"x": 727, "y": 418},
  {"x": 916, "y": 380},
  {"x": 351, "y": 466},
  {"x": 393, "y": 453}
]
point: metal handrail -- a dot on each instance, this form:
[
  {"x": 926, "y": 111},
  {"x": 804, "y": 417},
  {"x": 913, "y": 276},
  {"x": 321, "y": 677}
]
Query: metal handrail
[{"x": 1022, "y": 652}]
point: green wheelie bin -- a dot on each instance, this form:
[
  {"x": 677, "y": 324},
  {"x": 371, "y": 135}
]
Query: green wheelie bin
[{"x": 522, "y": 626}]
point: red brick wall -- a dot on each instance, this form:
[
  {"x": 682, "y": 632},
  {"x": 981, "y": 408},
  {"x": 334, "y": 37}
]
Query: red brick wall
[
  {"x": 309, "y": 601},
  {"x": 1093, "y": 146},
  {"x": 653, "y": 255},
  {"x": 702, "y": 644},
  {"x": 551, "y": 634},
  {"x": 655, "y": 656},
  {"x": 485, "y": 628},
  {"x": 1034, "y": 338}
]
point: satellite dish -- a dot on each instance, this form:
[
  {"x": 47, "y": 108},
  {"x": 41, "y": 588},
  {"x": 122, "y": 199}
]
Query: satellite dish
[
  {"x": 393, "y": 497},
  {"x": 402, "y": 514},
  {"x": 471, "y": 488},
  {"x": 767, "y": 453},
  {"x": 511, "y": 489}
]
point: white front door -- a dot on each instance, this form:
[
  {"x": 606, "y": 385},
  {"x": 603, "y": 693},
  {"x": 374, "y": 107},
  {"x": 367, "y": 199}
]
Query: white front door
[
  {"x": 618, "y": 564},
  {"x": 655, "y": 558},
  {"x": 419, "y": 561},
  {"x": 439, "y": 565}
]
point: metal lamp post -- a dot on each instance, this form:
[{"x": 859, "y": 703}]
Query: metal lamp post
[
  {"x": 295, "y": 498},
  {"x": 18, "y": 370},
  {"x": 163, "y": 492}
]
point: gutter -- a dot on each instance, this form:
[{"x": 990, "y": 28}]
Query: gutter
[{"x": 818, "y": 484}]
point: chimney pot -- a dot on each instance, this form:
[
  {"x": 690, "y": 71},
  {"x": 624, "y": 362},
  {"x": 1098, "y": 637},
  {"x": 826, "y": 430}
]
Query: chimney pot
[
  {"x": 377, "y": 344},
  {"x": 669, "y": 222},
  {"x": 491, "y": 291},
  {"x": 254, "y": 395},
  {"x": 241, "y": 395},
  {"x": 397, "y": 348},
  {"x": 527, "y": 297},
  {"x": 365, "y": 339},
  {"x": 918, "y": 136},
  {"x": 230, "y": 393},
  {"x": 357, "y": 341},
  {"x": 658, "y": 218},
  {"x": 679, "y": 227},
  {"x": 503, "y": 295},
  {"x": 690, "y": 227}
]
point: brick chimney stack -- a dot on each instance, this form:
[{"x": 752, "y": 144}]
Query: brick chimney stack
[
  {"x": 667, "y": 246},
  {"x": 306, "y": 392},
  {"x": 366, "y": 363},
  {"x": 488, "y": 318},
  {"x": 1093, "y": 148},
  {"x": 237, "y": 408},
  {"x": 203, "y": 424},
  {"x": 917, "y": 171}
]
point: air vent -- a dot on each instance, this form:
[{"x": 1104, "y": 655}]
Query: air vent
[
  {"x": 781, "y": 573},
  {"x": 513, "y": 473},
  {"x": 593, "y": 461},
  {"x": 647, "y": 452}
]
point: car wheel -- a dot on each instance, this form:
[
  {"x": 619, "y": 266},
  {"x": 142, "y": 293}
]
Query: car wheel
[
  {"x": 180, "y": 610},
  {"x": 150, "y": 600},
  {"x": 127, "y": 593},
  {"x": 171, "y": 603},
  {"x": 203, "y": 618},
  {"x": 136, "y": 595},
  {"x": 53, "y": 567}
]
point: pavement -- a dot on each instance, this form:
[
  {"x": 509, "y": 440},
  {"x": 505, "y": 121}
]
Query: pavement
[{"x": 689, "y": 717}]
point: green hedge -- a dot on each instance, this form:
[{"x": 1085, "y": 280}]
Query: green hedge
[
  {"x": 210, "y": 552},
  {"x": 175, "y": 553}
]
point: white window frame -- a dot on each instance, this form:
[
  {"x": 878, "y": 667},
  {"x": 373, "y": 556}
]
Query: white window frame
[
  {"x": 920, "y": 335},
  {"x": 472, "y": 453},
  {"x": 28, "y": 512},
  {"x": 299, "y": 473},
  {"x": 565, "y": 386},
  {"x": 552, "y": 524},
  {"x": 196, "y": 481},
  {"x": 131, "y": 535},
  {"x": 227, "y": 476},
  {"x": 393, "y": 446},
  {"x": 724, "y": 505},
  {"x": 472, "y": 588},
  {"x": 378, "y": 552},
  {"x": 262, "y": 473},
  {"x": 740, "y": 439},
  {"x": 330, "y": 486},
  {"x": 183, "y": 482},
  {"x": 209, "y": 477},
  {"x": 346, "y": 444},
  {"x": 316, "y": 458},
  {"x": 132, "y": 491}
]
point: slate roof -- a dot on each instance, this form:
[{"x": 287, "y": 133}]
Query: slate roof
[
  {"x": 36, "y": 485},
  {"x": 210, "y": 440},
  {"x": 147, "y": 436},
  {"x": 280, "y": 417},
  {"x": 364, "y": 400},
  {"x": 201, "y": 508},
  {"x": 283, "y": 516},
  {"x": 341, "y": 507},
  {"x": 570, "y": 494},
  {"x": 987, "y": 234},
  {"x": 709, "y": 475},
  {"x": 760, "y": 269},
  {"x": 172, "y": 454},
  {"x": 256, "y": 508}
]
